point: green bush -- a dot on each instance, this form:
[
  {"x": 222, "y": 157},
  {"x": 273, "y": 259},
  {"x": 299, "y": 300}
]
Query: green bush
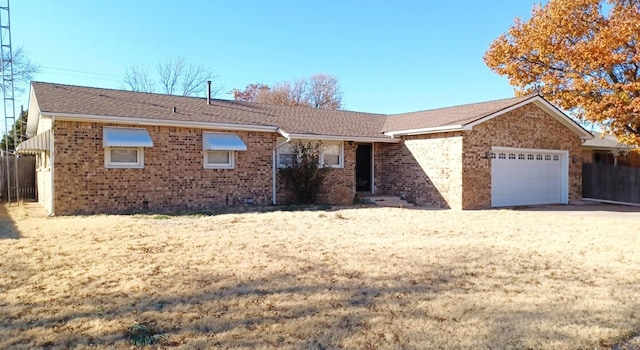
[{"x": 305, "y": 173}]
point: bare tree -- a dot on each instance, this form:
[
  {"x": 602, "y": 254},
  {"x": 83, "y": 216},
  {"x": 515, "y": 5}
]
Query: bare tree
[
  {"x": 174, "y": 77},
  {"x": 169, "y": 73},
  {"x": 23, "y": 69},
  {"x": 320, "y": 91},
  {"x": 298, "y": 91},
  {"x": 137, "y": 78}
]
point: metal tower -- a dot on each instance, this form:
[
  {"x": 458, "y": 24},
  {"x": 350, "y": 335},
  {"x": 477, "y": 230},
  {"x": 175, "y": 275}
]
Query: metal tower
[{"x": 6, "y": 63}]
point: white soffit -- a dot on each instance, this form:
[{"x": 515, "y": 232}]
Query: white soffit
[
  {"x": 125, "y": 137},
  {"x": 222, "y": 142}
]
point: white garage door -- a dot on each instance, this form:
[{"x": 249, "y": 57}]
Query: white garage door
[{"x": 528, "y": 176}]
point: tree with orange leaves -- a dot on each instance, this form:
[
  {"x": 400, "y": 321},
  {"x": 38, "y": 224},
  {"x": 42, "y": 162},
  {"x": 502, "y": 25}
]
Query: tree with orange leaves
[{"x": 583, "y": 55}]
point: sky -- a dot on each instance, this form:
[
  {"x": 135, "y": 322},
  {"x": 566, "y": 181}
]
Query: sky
[{"x": 389, "y": 56}]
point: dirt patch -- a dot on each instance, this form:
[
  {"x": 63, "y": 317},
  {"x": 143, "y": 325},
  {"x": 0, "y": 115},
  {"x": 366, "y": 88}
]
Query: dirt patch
[{"x": 376, "y": 278}]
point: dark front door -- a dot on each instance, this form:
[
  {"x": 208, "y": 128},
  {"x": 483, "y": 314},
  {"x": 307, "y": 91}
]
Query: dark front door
[{"x": 363, "y": 168}]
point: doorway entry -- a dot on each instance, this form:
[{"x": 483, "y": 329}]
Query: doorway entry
[{"x": 363, "y": 168}]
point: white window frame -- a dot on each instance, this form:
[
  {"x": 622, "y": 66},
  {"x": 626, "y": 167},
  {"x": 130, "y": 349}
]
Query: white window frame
[
  {"x": 230, "y": 165},
  {"x": 286, "y": 149},
  {"x": 124, "y": 165},
  {"x": 340, "y": 154}
]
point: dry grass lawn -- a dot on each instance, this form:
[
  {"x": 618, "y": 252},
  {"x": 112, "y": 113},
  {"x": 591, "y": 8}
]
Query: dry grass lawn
[{"x": 360, "y": 278}]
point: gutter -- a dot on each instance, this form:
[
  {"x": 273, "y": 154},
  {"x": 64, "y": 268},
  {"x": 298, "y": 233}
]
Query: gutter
[
  {"x": 158, "y": 122},
  {"x": 437, "y": 129},
  {"x": 274, "y": 166}
]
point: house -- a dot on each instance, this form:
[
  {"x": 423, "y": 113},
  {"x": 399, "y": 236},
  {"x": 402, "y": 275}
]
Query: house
[
  {"x": 606, "y": 149},
  {"x": 106, "y": 151}
]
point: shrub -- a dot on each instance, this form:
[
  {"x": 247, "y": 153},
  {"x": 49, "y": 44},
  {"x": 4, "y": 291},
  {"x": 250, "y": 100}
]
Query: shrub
[
  {"x": 305, "y": 173},
  {"x": 142, "y": 334}
]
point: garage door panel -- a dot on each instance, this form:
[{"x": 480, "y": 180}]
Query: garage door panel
[{"x": 536, "y": 179}]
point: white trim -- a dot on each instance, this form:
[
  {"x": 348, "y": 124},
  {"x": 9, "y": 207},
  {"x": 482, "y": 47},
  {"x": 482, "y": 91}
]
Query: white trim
[
  {"x": 158, "y": 122},
  {"x": 124, "y": 165},
  {"x": 545, "y": 106},
  {"x": 230, "y": 165},
  {"x": 437, "y": 129},
  {"x": 336, "y": 137},
  {"x": 33, "y": 116}
]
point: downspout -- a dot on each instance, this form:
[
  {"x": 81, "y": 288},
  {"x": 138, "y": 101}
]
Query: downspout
[
  {"x": 274, "y": 166},
  {"x": 52, "y": 155}
]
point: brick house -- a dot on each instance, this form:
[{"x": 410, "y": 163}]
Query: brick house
[{"x": 108, "y": 151}]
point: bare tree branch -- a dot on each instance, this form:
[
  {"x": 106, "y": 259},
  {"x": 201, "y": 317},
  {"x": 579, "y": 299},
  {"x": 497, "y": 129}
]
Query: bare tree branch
[
  {"x": 174, "y": 77},
  {"x": 137, "y": 79},
  {"x": 23, "y": 70}
]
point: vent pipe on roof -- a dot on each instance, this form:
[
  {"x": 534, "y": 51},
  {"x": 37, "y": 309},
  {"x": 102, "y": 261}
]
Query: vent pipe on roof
[{"x": 208, "y": 92}]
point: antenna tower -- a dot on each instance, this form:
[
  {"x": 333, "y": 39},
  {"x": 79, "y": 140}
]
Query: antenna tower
[{"x": 6, "y": 63}]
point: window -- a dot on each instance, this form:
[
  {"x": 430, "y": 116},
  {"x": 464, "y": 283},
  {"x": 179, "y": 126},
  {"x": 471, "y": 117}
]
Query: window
[
  {"x": 556, "y": 157},
  {"x": 285, "y": 154},
  {"x": 124, "y": 157},
  {"x": 220, "y": 150},
  {"x": 530, "y": 157},
  {"x": 124, "y": 147},
  {"x": 502, "y": 156},
  {"x": 331, "y": 153},
  {"x": 520, "y": 156},
  {"x": 547, "y": 157},
  {"x": 539, "y": 157},
  {"x": 219, "y": 160},
  {"x": 512, "y": 156}
]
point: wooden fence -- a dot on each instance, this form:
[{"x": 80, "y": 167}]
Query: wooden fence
[
  {"x": 26, "y": 178},
  {"x": 609, "y": 182}
]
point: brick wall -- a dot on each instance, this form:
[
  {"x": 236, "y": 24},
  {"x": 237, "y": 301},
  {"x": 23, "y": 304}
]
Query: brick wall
[
  {"x": 525, "y": 127},
  {"x": 339, "y": 186},
  {"x": 426, "y": 168},
  {"x": 173, "y": 176}
]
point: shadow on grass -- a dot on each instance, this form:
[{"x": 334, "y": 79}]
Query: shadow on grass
[
  {"x": 8, "y": 228},
  {"x": 315, "y": 305}
]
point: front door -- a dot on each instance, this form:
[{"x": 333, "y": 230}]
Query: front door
[{"x": 363, "y": 168}]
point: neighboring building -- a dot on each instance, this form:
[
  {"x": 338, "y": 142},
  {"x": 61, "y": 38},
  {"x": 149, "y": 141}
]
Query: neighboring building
[
  {"x": 606, "y": 149},
  {"x": 108, "y": 151}
]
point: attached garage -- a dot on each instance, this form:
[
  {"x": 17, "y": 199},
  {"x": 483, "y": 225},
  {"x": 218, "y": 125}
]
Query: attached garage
[{"x": 521, "y": 176}]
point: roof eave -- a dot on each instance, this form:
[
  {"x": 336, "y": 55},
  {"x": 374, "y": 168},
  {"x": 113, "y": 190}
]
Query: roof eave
[
  {"x": 421, "y": 131},
  {"x": 159, "y": 122},
  {"x": 544, "y": 105},
  {"x": 33, "y": 116},
  {"x": 303, "y": 136}
]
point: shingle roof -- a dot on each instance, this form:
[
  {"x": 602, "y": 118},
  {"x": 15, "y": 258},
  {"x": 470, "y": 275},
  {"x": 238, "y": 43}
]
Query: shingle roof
[
  {"x": 77, "y": 100},
  {"x": 600, "y": 141},
  {"x": 67, "y": 99},
  {"x": 449, "y": 116}
]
